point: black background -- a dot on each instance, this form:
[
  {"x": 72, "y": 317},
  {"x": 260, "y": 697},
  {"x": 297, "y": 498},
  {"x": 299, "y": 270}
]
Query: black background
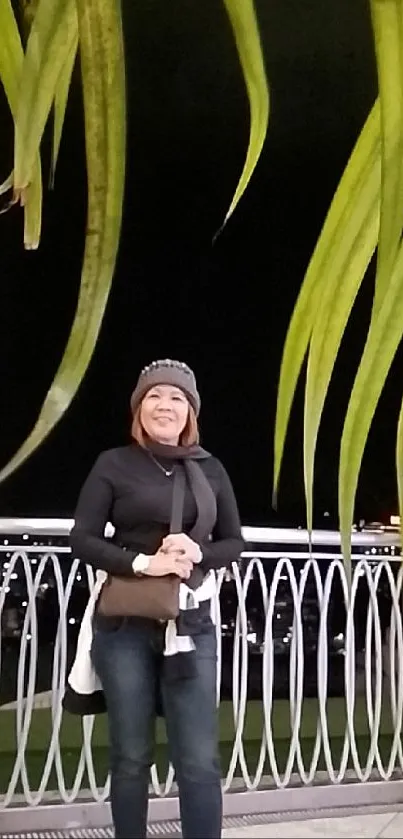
[{"x": 224, "y": 308}]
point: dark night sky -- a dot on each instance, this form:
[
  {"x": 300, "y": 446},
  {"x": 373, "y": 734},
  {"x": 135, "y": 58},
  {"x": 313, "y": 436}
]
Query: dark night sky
[{"x": 222, "y": 308}]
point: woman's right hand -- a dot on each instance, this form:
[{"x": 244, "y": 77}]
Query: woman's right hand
[{"x": 163, "y": 563}]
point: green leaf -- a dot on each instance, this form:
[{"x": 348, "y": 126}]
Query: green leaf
[
  {"x": 32, "y": 203},
  {"x": 342, "y": 275},
  {"x": 330, "y": 242},
  {"x": 11, "y": 54},
  {"x": 60, "y": 105},
  {"x": 52, "y": 36},
  {"x": 383, "y": 339},
  {"x": 387, "y": 22},
  {"x": 386, "y": 328},
  {"x": 103, "y": 73},
  {"x": 11, "y": 69},
  {"x": 244, "y": 24},
  {"x": 7, "y": 184}
]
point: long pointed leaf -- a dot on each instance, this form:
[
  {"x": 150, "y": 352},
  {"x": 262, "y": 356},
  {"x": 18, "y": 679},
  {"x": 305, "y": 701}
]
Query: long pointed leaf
[
  {"x": 53, "y": 33},
  {"x": 33, "y": 208},
  {"x": 102, "y": 63},
  {"x": 244, "y": 24},
  {"x": 336, "y": 224},
  {"x": 387, "y": 22},
  {"x": 345, "y": 271},
  {"x": 60, "y": 105},
  {"x": 386, "y": 328},
  {"x": 11, "y": 69},
  {"x": 11, "y": 54},
  {"x": 7, "y": 184},
  {"x": 383, "y": 339}
]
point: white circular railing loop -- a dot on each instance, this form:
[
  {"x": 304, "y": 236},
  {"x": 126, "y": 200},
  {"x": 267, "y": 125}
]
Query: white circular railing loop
[
  {"x": 311, "y": 566},
  {"x": 239, "y": 686},
  {"x": 23, "y": 720},
  {"x": 373, "y": 628},
  {"x": 335, "y": 778},
  {"x": 22, "y": 727},
  {"x": 263, "y": 745},
  {"x": 101, "y": 794},
  {"x": 362, "y": 569},
  {"x": 350, "y": 668},
  {"x": 58, "y": 673},
  {"x": 296, "y": 673},
  {"x": 60, "y": 660},
  {"x": 240, "y": 701},
  {"x": 396, "y": 638},
  {"x": 268, "y": 675}
]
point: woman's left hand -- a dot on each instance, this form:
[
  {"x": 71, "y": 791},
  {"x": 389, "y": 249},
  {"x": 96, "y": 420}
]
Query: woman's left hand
[{"x": 184, "y": 545}]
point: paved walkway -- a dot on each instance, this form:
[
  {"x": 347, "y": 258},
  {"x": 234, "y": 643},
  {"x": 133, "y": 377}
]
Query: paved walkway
[
  {"x": 374, "y": 826},
  {"x": 386, "y": 825}
]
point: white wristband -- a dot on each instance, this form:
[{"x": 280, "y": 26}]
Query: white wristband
[
  {"x": 140, "y": 564},
  {"x": 199, "y": 558}
]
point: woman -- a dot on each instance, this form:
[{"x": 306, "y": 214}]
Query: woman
[{"x": 132, "y": 488}]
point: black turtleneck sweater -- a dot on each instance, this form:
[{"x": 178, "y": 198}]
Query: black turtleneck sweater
[{"x": 127, "y": 488}]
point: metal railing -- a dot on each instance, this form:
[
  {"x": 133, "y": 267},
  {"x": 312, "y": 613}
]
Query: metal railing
[{"x": 309, "y": 672}]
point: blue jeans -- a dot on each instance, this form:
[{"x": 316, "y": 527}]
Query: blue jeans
[{"x": 128, "y": 661}]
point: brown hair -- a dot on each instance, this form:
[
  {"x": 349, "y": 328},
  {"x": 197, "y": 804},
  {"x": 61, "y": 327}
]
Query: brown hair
[{"x": 189, "y": 436}]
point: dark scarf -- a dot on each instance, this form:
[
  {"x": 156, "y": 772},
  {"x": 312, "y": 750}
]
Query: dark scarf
[
  {"x": 189, "y": 622},
  {"x": 200, "y": 488}
]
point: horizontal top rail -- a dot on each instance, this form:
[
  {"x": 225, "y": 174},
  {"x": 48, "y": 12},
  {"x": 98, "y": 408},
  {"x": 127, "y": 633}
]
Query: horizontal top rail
[{"x": 59, "y": 527}]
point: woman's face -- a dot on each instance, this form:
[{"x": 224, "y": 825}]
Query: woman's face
[{"x": 163, "y": 414}]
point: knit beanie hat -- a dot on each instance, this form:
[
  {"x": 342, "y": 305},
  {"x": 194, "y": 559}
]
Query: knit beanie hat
[{"x": 166, "y": 372}]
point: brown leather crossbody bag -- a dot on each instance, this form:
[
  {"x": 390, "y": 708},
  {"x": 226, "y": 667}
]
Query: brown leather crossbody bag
[{"x": 143, "y": 596}]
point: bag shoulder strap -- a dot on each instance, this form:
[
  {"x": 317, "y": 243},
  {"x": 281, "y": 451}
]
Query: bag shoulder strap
[{"x": 178, "y": 498}]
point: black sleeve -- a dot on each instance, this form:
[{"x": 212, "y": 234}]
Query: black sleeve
[
  {"x": 227, "y": 543},
  {"x": 92, "y": 514}
]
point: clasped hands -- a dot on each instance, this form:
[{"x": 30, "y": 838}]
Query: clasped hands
[{"x": 177, "y": 554}]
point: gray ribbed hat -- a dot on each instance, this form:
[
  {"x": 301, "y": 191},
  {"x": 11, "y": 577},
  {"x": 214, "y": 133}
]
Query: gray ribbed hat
[{"x": 166, "y": 372}]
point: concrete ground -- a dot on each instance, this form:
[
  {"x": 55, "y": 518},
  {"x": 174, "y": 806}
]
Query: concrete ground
[{"x": 386, "y": 825}]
